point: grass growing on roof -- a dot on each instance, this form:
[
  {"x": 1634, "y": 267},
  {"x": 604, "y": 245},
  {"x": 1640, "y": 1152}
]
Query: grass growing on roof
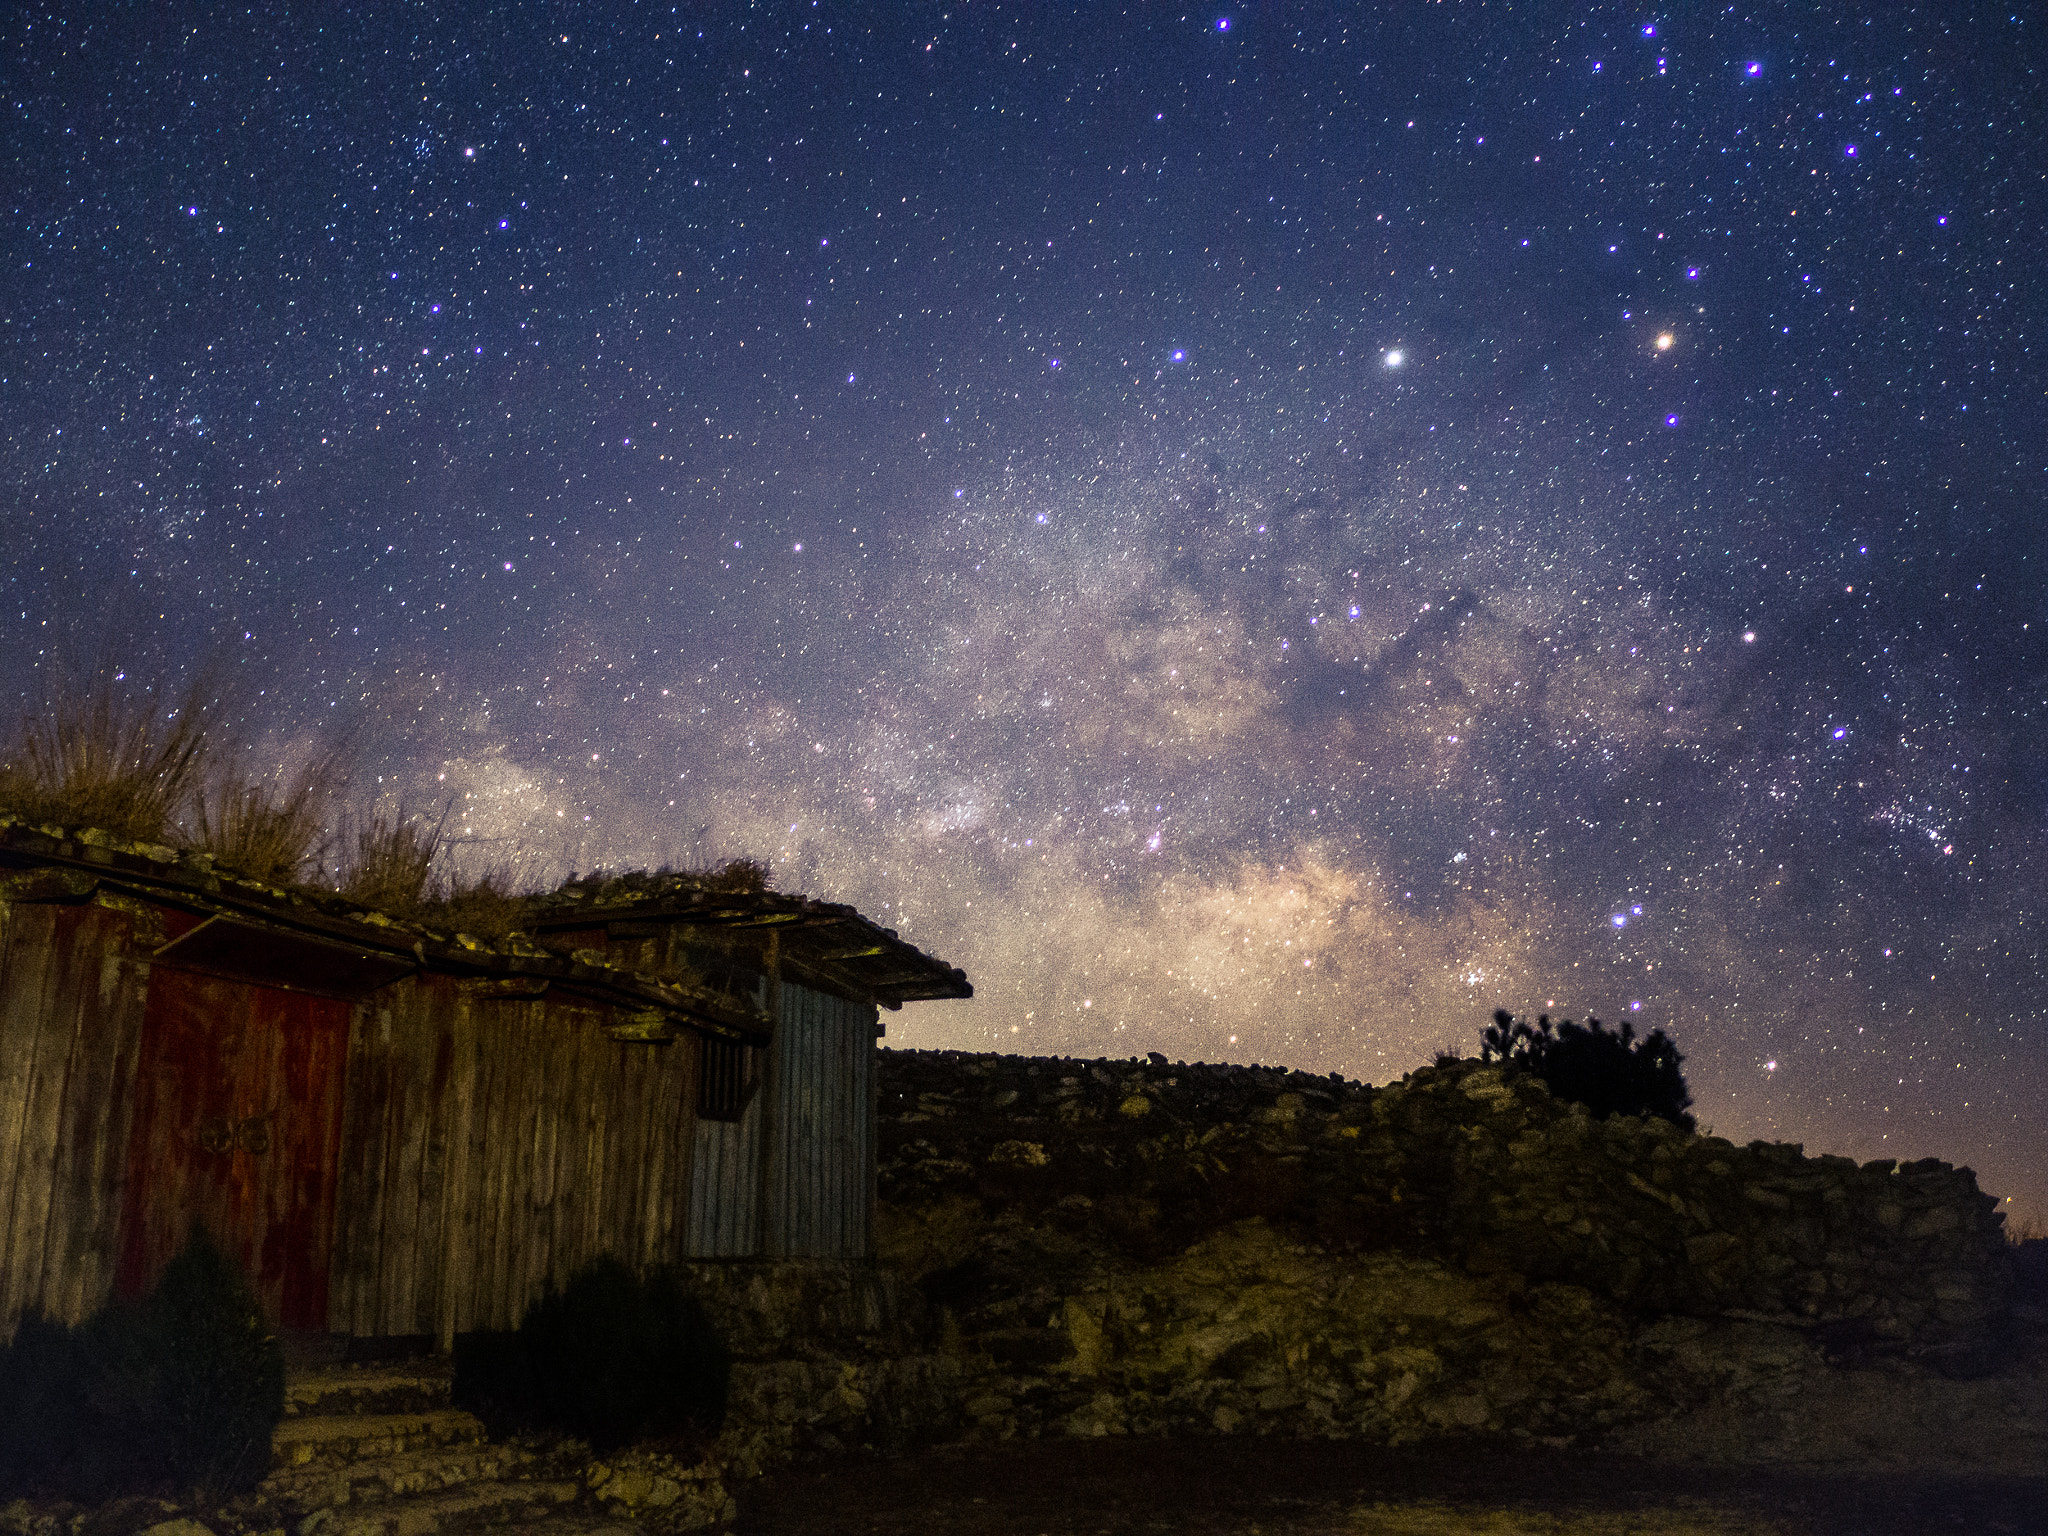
[
  {"x": 272, "y": 836},
  {"x": 99, "y": 755},
  {"x": 388, "y": 863}
]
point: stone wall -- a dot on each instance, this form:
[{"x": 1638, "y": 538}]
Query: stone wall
[
  {"x": 1102, "y": 1247},
  {"x": 827, "y": 1357},
  {"x": 1148, "y": 1247}
]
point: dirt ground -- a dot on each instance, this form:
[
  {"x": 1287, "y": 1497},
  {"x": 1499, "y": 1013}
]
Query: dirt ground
[{"x": 1293, "y": 1488}]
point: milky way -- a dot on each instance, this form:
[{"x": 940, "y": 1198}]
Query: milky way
[{"x": 1258, "y": 538}]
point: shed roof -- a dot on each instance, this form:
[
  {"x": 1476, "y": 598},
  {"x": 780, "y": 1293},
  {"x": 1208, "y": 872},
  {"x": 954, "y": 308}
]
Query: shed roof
[
  {"x": 826, "y": 937},
  {"x": 321, "y": 942}
]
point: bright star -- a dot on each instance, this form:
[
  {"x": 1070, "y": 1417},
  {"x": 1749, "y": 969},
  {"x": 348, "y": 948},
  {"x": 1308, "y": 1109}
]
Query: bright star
[
  {"x": 1394, "y": 357},
  {"x": 1664, "y": 342}
]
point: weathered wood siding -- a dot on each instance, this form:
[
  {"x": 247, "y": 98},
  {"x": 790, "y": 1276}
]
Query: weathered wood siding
[
  {"x": 72, "y": 981},
  {"x": 821, "y": 1153},
  {"x": 492, "y": 1147}
]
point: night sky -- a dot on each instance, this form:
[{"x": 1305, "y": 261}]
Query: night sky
[{"x": 1264, "y": 533}]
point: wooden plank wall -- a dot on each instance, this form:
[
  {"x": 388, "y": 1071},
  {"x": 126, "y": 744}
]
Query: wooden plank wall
[
  {"x": 72, "y": 987},
  {"x": 725, "y": 1187},
  {"x": 820, "y": 1127},
  {"x": 490, "y": 1148}
]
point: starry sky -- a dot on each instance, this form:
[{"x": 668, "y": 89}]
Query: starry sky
[{"x": 1263, "y": 532}]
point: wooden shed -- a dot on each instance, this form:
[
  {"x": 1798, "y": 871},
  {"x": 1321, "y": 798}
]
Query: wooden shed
[
  {"x": 783, "y": 1163},
  {"x": 403, "y": 1132}
]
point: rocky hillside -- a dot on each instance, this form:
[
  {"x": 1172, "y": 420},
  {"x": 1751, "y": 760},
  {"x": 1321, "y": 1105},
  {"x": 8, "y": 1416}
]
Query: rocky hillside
[{"x": 1149, "y": 1246}]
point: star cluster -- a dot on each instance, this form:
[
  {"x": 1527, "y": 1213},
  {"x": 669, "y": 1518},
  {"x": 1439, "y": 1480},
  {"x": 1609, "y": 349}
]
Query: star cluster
[{"x": 1262, "y": 535}]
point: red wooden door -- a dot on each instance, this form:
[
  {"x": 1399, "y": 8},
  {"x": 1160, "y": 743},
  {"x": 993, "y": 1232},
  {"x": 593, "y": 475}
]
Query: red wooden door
[{"x": 237, "y": 1125}]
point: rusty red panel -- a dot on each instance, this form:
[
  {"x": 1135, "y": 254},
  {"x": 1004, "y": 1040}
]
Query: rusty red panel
[{"x": 237, "y": 1124}]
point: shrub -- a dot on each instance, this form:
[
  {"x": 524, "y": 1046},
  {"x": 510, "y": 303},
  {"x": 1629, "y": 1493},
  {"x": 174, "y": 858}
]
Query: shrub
[
  {"x": 610, "y": 1357},
  {"x": 178, "y": 1390},
  {"x": 1611, "y": 1073}
]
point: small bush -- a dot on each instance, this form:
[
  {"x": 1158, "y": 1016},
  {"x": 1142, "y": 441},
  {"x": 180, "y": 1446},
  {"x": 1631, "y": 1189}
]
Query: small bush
[
  {"x": 176, "y": 1391},
  {"x": 1611, "y": 1073},
  {"x": 610, "y": 1358},
  {"x": 197, "y": 1372}
]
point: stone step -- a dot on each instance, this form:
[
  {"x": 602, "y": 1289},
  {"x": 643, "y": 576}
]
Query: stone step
[
  {"x": 520, "y": 1506},
  {"x": 338, "y": 1439},
  {"x": 412, "y": 1387},
  {"x": 380, "y": 1479}
]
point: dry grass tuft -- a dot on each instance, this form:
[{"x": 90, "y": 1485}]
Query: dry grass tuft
[
  {"x": 274, "y": 839},
  {"x": 740, "y": 877},
  {"x": 94, "y": 756},
  {"x": 492, "y": 906},
  {"x": 388, "y": 863}
]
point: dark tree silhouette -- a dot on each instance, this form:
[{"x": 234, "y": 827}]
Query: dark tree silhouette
[{"x": 1610, "y": 1073}]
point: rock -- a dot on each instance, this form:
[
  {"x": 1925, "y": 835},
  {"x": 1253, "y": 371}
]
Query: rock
[
  {"x": 1018, "y": 1154},
  {"x": 181, "y": 1527},
  {"x": 1225, "y": 1247},
  {"x": 658, "y": 1492}
]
